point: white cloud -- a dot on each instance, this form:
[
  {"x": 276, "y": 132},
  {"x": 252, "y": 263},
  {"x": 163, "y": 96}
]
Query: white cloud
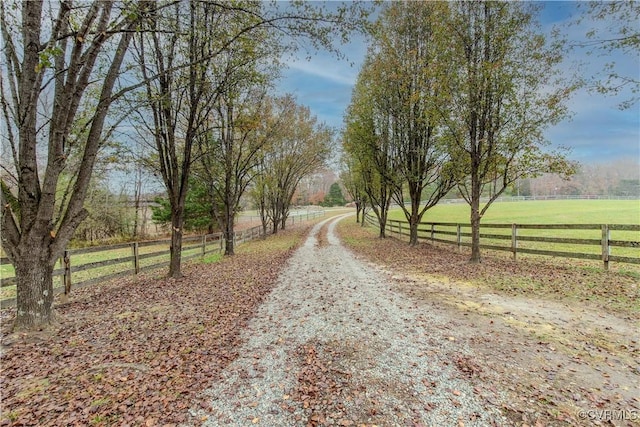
[{"x": 325, "y": 69}]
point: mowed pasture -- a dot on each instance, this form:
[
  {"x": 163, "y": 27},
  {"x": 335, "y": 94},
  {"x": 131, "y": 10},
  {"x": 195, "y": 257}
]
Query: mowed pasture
[
  {"x": 538, "y": 212},
  {"x": 552, "y": 212}
]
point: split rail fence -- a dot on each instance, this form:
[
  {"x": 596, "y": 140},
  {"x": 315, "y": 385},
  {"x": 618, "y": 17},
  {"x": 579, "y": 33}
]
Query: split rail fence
[
  {"x": 581, "y": 241},
  {"x": 102, "y": 263}
]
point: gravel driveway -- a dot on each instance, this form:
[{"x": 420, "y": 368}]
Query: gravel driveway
[{"x": 333, "y": 345}]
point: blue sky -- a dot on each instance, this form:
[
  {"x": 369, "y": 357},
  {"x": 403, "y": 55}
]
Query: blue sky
[{"x": 597, "y": 132}]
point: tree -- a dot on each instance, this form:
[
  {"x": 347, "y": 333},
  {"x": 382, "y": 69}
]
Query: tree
[
  {"x": 407, "y": 45},
  {"x": 300, "y": 148},
  {"x": 367, "y": 145},
  {"x": 198, "y": 215},
  {"x": 353, "y": 185},
  {"x": 241, "y": 128},
  {"x": 50, "y": 66},
  {"x": 619, "y": 35},
  {"x": 231, "y": 160},
  {"x": 334, "y": 197},
  {"x": 504, "y": 88},
  {"x": 627, "y": 188},
  {"x": 182, "y": 97}
]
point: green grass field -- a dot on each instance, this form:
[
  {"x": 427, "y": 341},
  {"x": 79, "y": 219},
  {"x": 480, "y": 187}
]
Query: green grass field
[
  {"x": 161, "y": 249},
  {"x": 539, "y": 212},
  {"x": 543, "y": 212}
]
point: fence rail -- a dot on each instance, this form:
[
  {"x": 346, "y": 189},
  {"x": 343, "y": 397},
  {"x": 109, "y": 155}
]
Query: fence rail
[
  {"x": 547, "y": 197},
  {"x": 132, "y": 258},
  {"x": 518, "y": 239}
]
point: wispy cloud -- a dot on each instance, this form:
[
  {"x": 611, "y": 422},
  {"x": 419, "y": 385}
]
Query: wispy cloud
[
  {"x": 326, "y": 70},
  {"x": 598, "y": 131}
]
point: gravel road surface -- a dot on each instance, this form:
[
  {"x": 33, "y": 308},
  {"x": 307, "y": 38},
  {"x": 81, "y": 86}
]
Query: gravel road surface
[{"x": 334, "y": 345}]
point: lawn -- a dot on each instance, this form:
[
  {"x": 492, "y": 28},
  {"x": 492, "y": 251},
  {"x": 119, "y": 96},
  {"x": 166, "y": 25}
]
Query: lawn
[
  {"x": 539, "y": 212},
  {"x": 543, "y": 212}
]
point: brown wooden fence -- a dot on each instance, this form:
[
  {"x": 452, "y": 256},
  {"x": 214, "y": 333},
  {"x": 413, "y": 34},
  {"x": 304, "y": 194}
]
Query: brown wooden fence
[
  {"x": 113, "y": 261},
  {"x": 518, "y": 239}
]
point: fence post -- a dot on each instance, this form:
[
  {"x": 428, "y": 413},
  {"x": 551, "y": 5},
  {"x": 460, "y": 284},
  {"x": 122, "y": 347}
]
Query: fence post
[
  {"x": 204, "y": 245},
  {"x": 221, "y": 238},
  {"x": 433, "y": 232},
  {"x": 605, "y": 246},
  {"x": 136, "y": 259},
  {"x": 514, "y": 240},
  {"x": 67, "y": 272},
  {"x": 458, "y": 237}
]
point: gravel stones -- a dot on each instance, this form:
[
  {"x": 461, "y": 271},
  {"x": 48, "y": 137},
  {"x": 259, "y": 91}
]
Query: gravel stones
[{"x": 334, "y": 345}]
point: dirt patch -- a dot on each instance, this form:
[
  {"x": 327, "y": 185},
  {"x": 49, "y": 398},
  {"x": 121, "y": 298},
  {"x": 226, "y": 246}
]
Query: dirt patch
[
  {"x": 321, "y": 238},
  {"x": 564, "y": 357}
]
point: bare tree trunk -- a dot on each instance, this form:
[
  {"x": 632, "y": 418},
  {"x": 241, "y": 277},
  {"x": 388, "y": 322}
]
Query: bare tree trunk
[
  {"x": 32, "y": 235},
  {"x": 175, "y": 260},
  {"x": 383, "y": 226},
  {"x": 475, "y": 236},
  {"x": 137, "y": 196},
  {"x": 381, "y": 213},
  {"x": 414, "y": 218},
  {"x": 275, "y": 217},
  {"x": 475, "y": 218},
  {"x": 262, "y": 210},
  {"x": 34, "y": 284},
  {"x": 229, "y": 248}
]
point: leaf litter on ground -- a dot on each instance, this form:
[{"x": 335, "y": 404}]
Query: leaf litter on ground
[
  {"x": 559, "y": 336},
  {"x": 137, "y": 351}
]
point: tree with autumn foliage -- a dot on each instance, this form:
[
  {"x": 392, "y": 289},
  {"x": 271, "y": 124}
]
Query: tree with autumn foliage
[
  {"x": 353, "y": 185},
  {"x": 503, "y": 87},
  {"x": 299, "y": 148},
  {"x": 54, "y": 57},
  {"x": 407, "y": 45},
  {"x": 367, "y": 146}
]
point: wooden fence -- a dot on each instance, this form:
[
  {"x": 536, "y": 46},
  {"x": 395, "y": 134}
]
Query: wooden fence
[
  {"x": 132, "y": 258},
  {"x": 518, "y": 239}
]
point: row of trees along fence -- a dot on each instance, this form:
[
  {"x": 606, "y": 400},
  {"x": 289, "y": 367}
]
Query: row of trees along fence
[
  {"x": 101, "y": 263},
  {"x": 522, "y": 238}
]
